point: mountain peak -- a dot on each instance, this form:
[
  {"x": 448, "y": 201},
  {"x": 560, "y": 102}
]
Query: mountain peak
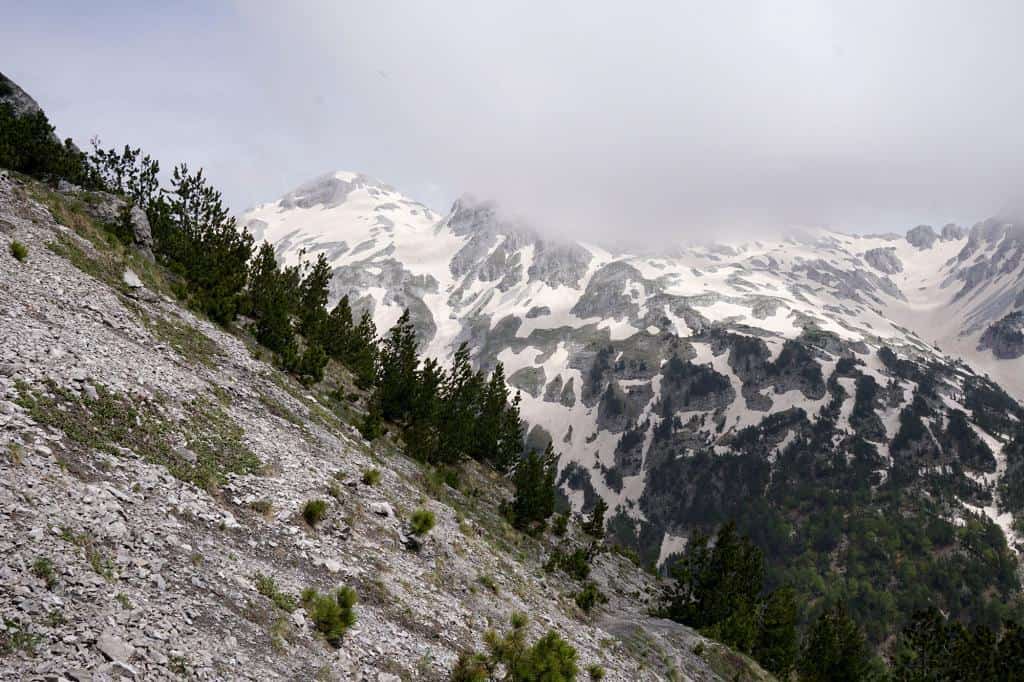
[{"x": 330, "y": 190}]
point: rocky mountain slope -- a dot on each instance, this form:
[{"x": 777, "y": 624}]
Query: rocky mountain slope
[
  {"x": 773, "y": 381},
  {"x": 152, "y": 476}
]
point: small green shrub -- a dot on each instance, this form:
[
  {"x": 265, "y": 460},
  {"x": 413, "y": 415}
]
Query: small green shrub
[
  {"x": 596, "y": 673},
  {"x": 314, "y": 512},
  {"x": 549, "y": 658},
  {"x": 576, "y": 564},
  {"x": 332, "y": 613},
  {"x": 421, "y": 522},
  {"x": 371, "y": 476},
  {"x": 334, "y": 490},
  {"x": 487, "y": 581},
  {"x": 589, "y": 597},
  {"x": 560, "y": 525},
  {"x": 42, "y": 568},
  {"x": 19, "y": 251},
  {"x": 266, "y": 586}
]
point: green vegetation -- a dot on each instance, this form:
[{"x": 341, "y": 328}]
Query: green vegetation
[
  {"x": 595, "y": 525},
  {"x": 575, "y": 563},
  {"x": 550, "y": 658},
  {"x": 718, "y": 591},
  {"x": 932, "y": 647},
  {"x": 835, "y": 650},
  {"x": 421, "y": 522},
  {"x": 42, "y": 568},
  {"x": 333, "y": 613},
  {"x": 28, "y": 145},
  {"x": 19, "y": 251},
  {"x": 589, "y": 597},
  {"x": 267, "y": 586},
  {"x": 109, "y": 422},
  {"x": 371, "y": 476},
  {"x": 534, "y": 499},
  {"x": 314, "y": 511},
  {"x": 17, "y": 636}
]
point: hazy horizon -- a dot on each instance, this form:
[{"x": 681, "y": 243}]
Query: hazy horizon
[{"x": 651, "y": 122}]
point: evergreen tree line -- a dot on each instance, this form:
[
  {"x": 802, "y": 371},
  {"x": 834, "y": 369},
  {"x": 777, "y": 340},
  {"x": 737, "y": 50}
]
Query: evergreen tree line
[
  {"x": 29, "y": 145},
  {"x": 193, "y": 233},
  {"x": 719, "y": 590}
]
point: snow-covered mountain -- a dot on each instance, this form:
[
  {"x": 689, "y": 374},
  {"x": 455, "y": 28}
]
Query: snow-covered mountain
[{"x": 627, "y": 360}]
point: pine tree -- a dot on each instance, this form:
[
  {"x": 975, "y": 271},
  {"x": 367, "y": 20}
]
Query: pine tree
[
  {"x": 460, "y": 401},
  {"x": 423, "y": 435},
  {"x": 718, "y": 587},
  {"x": 312, "y": 309},
  {"x": 361, "y": 356},
  {"x": 595, "y": 526},
  {"x": 397, "y": 371},
  {"x": 498, "y": 437},
  {"x": 834, "y": 650},
  {"x": 196, "y": 236},
  {"x": 129, "y": 172},
  {"x": 510, "y": 435},
  {"x": 269, "y": 302},
  {"x": 310, "y": 365},
  {"x": 338, "y": 330},
  {"x": 534, "y": 499},
  {"x": 777, "y": 647},
  {"x": 372, "y": 425}
]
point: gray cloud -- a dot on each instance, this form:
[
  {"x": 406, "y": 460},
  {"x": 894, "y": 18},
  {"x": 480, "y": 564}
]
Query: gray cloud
[{"x": 614, "y": 121}]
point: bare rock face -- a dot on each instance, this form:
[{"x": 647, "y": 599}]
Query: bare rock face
[
  {"x": 951, "y": 232},
  {"x": 110, "y": 209},
  {"x": 1005, "y": 338},
  {"x": 884, "y": 260},
  {"x": 922, "y": 236},
  {"x": 19, "y": 100}
]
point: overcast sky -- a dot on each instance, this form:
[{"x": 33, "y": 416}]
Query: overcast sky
[{"x": 608, "y": 120}]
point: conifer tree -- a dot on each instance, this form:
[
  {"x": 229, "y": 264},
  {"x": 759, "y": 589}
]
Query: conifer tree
[
  {"x": 361, "y": 355},
  {"x": 534, "y": 499},
  {"x": 128, "y": 172},
  {"x": 397, "y": 371},
  {"x": 510, "y": 435},
  {"x": 718, "y": 588},
  {"x": 269, "y": 302},
  {"x": 460, "y": 395},
  {"x": 312, "y": 308},
  {"x": 372, "y": 425},
  {"x": 498, "y": 438},
  {"x": 595, "y": 525},
  {"x": 310, "y": 365},
  {"x": 338, "y": 330},
  {"x": 777, "y": 646},
  {"x": 196, "y": 236},
  {"x": 423, "y": 434},
  {"x": 834, "y": 650}
]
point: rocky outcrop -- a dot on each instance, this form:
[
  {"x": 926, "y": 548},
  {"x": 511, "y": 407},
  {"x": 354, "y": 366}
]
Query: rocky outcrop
[
  {"x": 687, "y": 387},
  {"x": 529, "y": 380},
  {"x": 109, "y": 209},
  {"x": 951, "y": 232},
  {"x": 21, "y": 102},
  {"x": 884, "y": 260},
  {"x": 609, "y": 294},
  {"x": 922, "y": 237},
  {"x": 1005, "y": 338}
]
